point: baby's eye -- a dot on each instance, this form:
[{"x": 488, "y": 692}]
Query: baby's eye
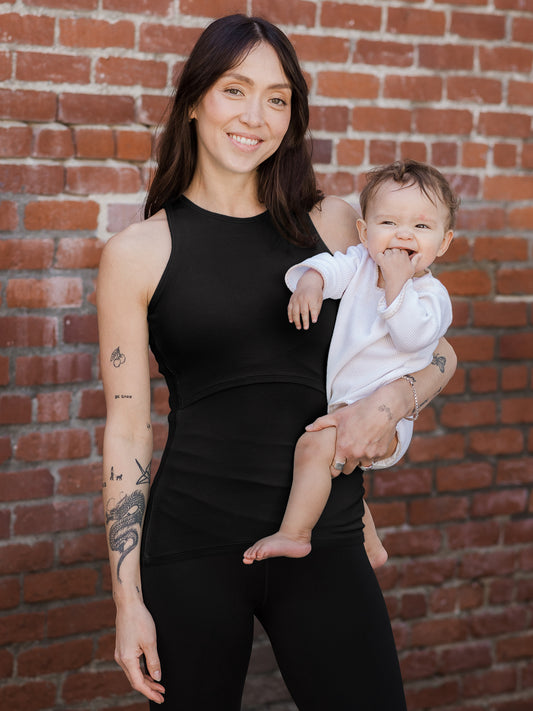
[
  {"x": 422, "y": 226},
  {"x": 386, "y": 222}
]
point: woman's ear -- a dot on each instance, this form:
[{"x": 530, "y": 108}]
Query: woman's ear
[
  {"x": 446, "y": 241},
  {"x": 361, "y": 228}
]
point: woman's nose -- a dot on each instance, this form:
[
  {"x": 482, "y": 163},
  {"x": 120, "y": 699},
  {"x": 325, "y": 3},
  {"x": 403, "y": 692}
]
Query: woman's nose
[{"x": 253, "y": 114}]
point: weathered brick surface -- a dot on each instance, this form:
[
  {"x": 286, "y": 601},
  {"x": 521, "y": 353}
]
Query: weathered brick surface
[{"x": 445, "y": 82}]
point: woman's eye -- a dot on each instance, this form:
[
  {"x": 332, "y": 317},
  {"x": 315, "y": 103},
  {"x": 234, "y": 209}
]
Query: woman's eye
[
  {"x": 233, "y": 91},
  {"x": 278, "y": 101}
]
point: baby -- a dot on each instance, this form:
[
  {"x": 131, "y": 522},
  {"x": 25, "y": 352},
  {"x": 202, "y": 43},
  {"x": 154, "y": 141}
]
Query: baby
[{"x": 391, "y": 316}]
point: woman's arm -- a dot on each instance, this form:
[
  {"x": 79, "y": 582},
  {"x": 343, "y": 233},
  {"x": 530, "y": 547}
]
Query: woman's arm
[
  {"x": 366, "y": 428},
  {"x": 122, "y": 297}
]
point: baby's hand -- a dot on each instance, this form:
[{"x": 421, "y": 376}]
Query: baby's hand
[
  {"x": 396, "y": 268},
  {"x": 307, "y": 300}
]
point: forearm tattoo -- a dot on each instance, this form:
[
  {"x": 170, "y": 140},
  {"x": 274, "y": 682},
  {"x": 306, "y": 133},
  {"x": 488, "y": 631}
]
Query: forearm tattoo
[
  {"x": 117, "y": 358},
  {"x": 126, "y": 519},
  {"x": 145, "y": 473},
  {"x": 439, "y": 361}
]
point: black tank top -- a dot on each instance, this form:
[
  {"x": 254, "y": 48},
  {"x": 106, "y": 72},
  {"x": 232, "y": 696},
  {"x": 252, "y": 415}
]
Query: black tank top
[{"x": 242, "y": 382}]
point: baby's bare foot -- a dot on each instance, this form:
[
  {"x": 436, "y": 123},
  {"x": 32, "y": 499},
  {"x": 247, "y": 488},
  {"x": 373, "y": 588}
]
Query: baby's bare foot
[{"x": 276, "y": 545}]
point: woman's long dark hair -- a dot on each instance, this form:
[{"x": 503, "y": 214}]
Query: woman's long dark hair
[{"x": 286, "y": 180}]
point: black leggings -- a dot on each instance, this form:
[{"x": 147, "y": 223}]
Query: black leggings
[{"x": 324, "y": 614}]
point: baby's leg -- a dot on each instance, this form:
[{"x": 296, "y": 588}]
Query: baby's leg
[
  {"x": 311, "y": 486},
  {"x": 377, "y": 555}
]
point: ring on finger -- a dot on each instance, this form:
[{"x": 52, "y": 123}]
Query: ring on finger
[{"x": 339, "y": 466}]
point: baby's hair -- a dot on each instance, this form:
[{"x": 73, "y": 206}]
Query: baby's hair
[{"x": 410, "y": 172}]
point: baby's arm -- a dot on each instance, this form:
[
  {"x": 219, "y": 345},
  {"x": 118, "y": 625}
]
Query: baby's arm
[{"x": 306, "y": 300}]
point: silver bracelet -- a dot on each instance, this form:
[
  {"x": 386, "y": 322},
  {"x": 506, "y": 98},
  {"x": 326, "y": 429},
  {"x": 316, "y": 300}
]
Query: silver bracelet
[{"x": 409, "y": 379}]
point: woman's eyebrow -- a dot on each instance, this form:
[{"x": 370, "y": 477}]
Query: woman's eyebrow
[{"x": 246, "y": 80}]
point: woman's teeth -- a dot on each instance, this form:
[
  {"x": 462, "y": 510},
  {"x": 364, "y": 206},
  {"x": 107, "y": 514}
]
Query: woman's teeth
[{"x": 243, "y": 140}]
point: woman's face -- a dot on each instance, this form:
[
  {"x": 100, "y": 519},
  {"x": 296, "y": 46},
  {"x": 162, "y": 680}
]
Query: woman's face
[{"x": 242, "y": 119}]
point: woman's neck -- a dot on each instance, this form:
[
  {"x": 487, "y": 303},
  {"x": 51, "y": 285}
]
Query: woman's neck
[{"x": 235, "y": 197}]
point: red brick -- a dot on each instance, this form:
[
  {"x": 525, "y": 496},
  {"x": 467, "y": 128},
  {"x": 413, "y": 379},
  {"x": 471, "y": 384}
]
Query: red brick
[
  {"x": 27, "y": 484},
  {"x": 53, "y": 143},
  {"x": 527, "y": 156},
  {"x": 516, "y": 346},
  {"x": 483, "y": 380},
  {"x": 413, "y": 149},
  {"x": 314, "y": 48},
  {"x": 394, "y": 54},
  {"x": 429, "y": 449},
  {"x": 28, "y": 331},
  {"x": 473, "y": 348},
  {"x": 80, "y": 479},
  {"x": 350, "y": 151},
  {"x": 15, "y": 409},
  {"x": 444, "y": 153},
  {"x": 512, "y": 648},
  {"x": 475, "y": 25},
  {"x": 94, "y": 142},
  {"x": 15, "y": 141},
  {"x": 56, "y": 444},
  {"x": 505, "y": 314},
  {"x": 328, "y": 118},
  {"x": 504, "y": 155},
  {"x": 498, "y": 249},
  {"x": 129, "y": 72},
  {"x": 354, "y": 17},
  {"x": 505, "y": 59},
  {"x": 446, "y": 56},
  {"x": 421, "y": 88},
  {"x": 415, "y": 21},
  {"x": 57, "y": 68},
  {"x": 5, "y": 443},
  {"x": 492, "y": 683},
  {"x": 387, "y": 482},
  {"x": 515, "y": 281},
  {"x": 24, "y": 627},
  {"x": 420, "y": 664},
  {"x": 27, "y": 105},
  {"x": 55, "y": 658},
  {"x": 413, "y": 605},
  {"x": 467, "y": 656},
  {"x": 503, "y": 502},
  {"x": 443, "y": 508},
  {"x": 517, "y": 410},
  {"x": 82, "y": 617},
  {"x": 60, "y": 584},
  {"x": 81, "y": 549},
  {"x": 433, "y": 572},
  {"x": 37, "y": 179},
  {"x": 472, "y": 282},
  {"x": 78, "y": 253},
  {"x": 61, "y": 215},
  {"x": 9, "y": 598},
  {"x": 88, "y": 32},
  {"x": 121, "y": 215},
  {"x": 44, "y": 293},
  {"x": 521, "y": 218},
  {"x": 376, "y": 119},
  {"x": 514, "y": 377},
  {"x": 96, "y": 179},
  {"x": 98, "y": 109},
  {"x": 152, "y": 109},
  {"x": 5, "y": 65},
  {"x": 53, "y": 406},
  {"x": 450, "y": 121},
  {"x": 133, "y": 145},
  {"x": 92, "y": 404},
  {"x": 496, "y": 442},
  {"x": 30, "y": 696},
  {"x": 468, "y": 414},
  {"x": 474, "y": 155},
  {"x": 26, "y": 253},
  {"x": 520, "y": 93},
  {"x": 80, "y": 328},
  {"x": 8, "y": 216},
  {"x": 513, "y": 125},
  {"x": 389, "y": 514},
  {"x": 515, "y": 471},
  {"x": 518, "y": 532},
  {"x": 88, "y": 685},
  {"x": 19, "y": 557},
  {"x": 473, "y": 535},
  {"x": 344, "y": 85},
  {"x": 382, "y": 152},
  {"x": 26, "y": 29},
  {"x": 338, "y": 183},
  {"x": 481, "y": 219},
  {"x": 442, "y": 631},
  {"x": 464, "y": 88},
  {"x": 297, "y": 12},
  {"x": 149, "y": 7},
  {"x": 168, "y": 38},
  {"x": 413, "y": 543},
  {"x": 464, "y": 476}
]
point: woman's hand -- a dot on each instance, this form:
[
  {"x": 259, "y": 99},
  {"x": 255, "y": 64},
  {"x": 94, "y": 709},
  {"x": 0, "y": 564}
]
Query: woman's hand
[
  {"x": 136, "y": 638},
  {"x": 365, "y": 431}
]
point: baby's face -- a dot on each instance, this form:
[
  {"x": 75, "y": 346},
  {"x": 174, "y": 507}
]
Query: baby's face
[{"x": 401, "y": 217}]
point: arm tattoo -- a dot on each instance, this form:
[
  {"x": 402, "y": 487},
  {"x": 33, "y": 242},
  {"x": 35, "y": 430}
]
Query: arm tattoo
[
  {"x": 126, "y": 515},
  {"x": 384, "y": 408},
  {"x": 117, "y": 358},
  {"x": 439, "y": 361},
  {"x": 145, "y": 473}
]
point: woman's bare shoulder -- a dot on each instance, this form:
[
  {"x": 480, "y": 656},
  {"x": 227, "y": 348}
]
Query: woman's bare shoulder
[
  {"x": 335, "y": 221},
  {"x": 139, "y": 253}
]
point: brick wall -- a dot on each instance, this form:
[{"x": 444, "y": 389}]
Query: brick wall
[{"x": 82, "y": 86}]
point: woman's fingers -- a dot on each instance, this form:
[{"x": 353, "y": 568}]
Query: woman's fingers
[{"x": 141, "y": 681}]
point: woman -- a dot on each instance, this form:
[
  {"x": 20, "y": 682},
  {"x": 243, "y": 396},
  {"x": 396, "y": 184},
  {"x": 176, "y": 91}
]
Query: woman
[{"x": 233, "y": 204}]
